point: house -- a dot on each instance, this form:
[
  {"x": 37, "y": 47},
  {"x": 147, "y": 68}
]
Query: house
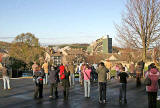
[
  {"x": 66, "y": 55},
  {"x": 57, "y": 58},
  {"x": 101, "y": 45}
]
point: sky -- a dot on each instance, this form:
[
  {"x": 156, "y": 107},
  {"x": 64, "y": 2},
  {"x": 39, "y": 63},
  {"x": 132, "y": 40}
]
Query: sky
[{"x": 60, "y": 21}]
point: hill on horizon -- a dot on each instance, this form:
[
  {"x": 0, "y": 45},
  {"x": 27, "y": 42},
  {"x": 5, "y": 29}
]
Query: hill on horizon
[
  {"x": 77, "y": 45},
  {"x": 4, "y": 45}
]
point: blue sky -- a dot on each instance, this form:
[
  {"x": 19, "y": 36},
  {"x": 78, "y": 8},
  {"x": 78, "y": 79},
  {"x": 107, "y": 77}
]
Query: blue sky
[{"x": 60, "y": 21}]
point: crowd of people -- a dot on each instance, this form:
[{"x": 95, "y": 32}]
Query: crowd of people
[{"x": 65, "y": 75}]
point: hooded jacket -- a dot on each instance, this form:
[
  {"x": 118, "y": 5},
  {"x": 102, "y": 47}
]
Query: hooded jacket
[
  {"x": 154, "y": 75},
  {"x": 102, "y": 74}
]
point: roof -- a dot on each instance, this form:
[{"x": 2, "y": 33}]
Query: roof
[
  {"x": 74, "y": 51},
  {"x": 114, "y": 57}
]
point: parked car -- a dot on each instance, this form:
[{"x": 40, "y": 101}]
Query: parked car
[{"x": 26, "y": 74}]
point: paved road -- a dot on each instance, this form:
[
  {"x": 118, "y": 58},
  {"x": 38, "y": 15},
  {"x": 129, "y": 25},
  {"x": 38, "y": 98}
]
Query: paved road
[{"x": 21, "y": 96}]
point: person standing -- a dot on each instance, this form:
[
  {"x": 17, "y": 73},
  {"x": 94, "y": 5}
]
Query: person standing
[
  {"x": 45, "y": 68},
  {"x": 83, "y": 67},
  {"x": 79, "y": 71},
  {"x": 138, "y": 75},
  {"x": 72, "y": 71},
  {"x": 152, "y": 90},
  {"x": 92, "y": 79},
  {"x": 123, "y": 85},
  {"x": 5, "y": 75},
  {"x": 38, "y": 76},
  {"x": 117, "y": 70},
  {"x": 53, "y": 80},
  {"x": 87, "y": 76},
  {"x": 64, "y": 76},
  {"x": 142, "y": 64},
  {"x": 102, "y": 81},
  {"x": 95, "y": 73}
]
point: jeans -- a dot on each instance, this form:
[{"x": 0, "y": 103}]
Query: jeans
[
  {"x": 45, "y": 80},
  {"x": 71, "y": 79},
  {"x": 53, "y": 86},
  {"x": 152, "y": 99},
  {"x": 87, "y": 88},
  {"x": 65, "y": 84},
  {"x": 122, "y": 91},
  {"x": 102, "y": 91},
  {"x": 38, "y": 91},
  {"x": 6, "y": 80}
]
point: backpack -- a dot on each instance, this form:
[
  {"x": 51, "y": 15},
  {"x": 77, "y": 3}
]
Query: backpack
[
  {"x": 148, "y": 81},
  {"x": 62, "y": 76}
]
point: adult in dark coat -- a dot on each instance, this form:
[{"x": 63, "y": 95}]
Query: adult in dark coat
[
  {"x": 65, "y": 82},
  {"x": 138, "y": 75},
  {"x": 53, "y": 80},
  {"x": 142, "y": 64},
  {"x": 38, "y": 77}
]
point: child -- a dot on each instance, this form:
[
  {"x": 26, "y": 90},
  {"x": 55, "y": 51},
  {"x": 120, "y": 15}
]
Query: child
[{"x": 123, "y": 85}]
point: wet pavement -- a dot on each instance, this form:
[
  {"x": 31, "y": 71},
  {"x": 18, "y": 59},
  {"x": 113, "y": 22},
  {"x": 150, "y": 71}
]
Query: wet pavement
[{"x": 21, "y": 96}]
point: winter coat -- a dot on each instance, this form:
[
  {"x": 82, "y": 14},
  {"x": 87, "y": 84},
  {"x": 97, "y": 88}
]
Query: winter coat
[
  {"x": 39, "y": 73},
  {"x": 154, "y": 75},
  {"x": 53, "y": 76},
  {"x": 102, "y": 74},
  {"x": 37, "y": 76}
]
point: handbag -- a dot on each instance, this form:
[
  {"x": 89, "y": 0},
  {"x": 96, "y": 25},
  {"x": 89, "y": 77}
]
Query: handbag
[{"x": 147, "y": 81}]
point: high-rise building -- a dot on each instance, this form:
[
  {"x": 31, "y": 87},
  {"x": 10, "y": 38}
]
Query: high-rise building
[{"x": 103, "y": 45}]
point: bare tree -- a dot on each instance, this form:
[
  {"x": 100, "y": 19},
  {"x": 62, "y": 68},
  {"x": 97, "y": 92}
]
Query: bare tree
[{"x": 140, "y": 24}]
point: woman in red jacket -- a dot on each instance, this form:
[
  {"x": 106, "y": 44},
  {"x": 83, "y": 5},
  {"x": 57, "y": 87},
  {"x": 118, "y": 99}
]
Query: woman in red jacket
[{"x": 152, "y": 90}]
